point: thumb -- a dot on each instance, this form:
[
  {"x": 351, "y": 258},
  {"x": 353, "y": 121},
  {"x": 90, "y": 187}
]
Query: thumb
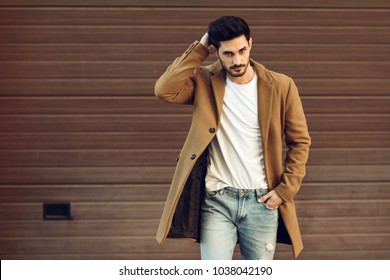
[{"x": 264, "y": 198}]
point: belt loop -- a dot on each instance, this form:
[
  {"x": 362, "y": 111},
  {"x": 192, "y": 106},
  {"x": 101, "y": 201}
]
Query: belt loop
[
  {"x": 261, "y": 192},
  {"x": 258, "y": 193}
]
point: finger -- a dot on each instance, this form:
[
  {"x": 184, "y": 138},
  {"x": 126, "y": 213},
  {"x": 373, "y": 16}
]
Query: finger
[
  {"x": 272, "y": 203},
  {"x": 264, "y": 198},
  {"x": 271, "y": 206}
]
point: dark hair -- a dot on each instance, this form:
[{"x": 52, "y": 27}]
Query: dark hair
[{"x": 227, "y": 28}]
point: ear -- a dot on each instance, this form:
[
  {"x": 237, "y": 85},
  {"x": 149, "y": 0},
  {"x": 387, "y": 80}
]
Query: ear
[
  {"x": 214, "y": 50},
  {"x": 250, "y": 43}
]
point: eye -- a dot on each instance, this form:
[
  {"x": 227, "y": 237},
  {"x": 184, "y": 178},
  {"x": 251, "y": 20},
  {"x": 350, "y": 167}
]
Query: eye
[{"x": 242, "y": 51}]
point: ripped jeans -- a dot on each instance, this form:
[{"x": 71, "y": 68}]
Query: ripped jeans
[{"x": 230, "y": 215}]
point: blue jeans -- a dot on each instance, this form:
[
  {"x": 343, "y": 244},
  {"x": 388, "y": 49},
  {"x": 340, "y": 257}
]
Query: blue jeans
[{"x": 230, "y": 215}]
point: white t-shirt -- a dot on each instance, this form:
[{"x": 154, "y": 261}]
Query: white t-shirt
[{"x": 236, "y": 153}]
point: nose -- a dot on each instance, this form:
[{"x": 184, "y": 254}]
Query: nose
[{"x": 236, "y": 60}]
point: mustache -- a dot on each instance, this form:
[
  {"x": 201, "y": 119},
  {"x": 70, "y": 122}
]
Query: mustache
[{"x": 237, "y": 66}]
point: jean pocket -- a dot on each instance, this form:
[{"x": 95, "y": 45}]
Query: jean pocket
[
  {"x": 269, "y": 208},
  {"x": 211, "y": 194}
]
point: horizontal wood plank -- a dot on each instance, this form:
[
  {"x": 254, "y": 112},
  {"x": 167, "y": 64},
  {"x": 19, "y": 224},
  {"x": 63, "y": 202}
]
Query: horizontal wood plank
[
  {"x": 194, "y": 254},
  {"x": 149, "y": 69},
  {"x": 169, "y": 123},
  {"x": 137, "y": 140},
  {"x": 103, "y": 105},
  {"x": 162, "y": 16},
  {"x": 123, "y": 228},
  {"x": 367, "y": 254},
  {"x": 161, "y": 35},
  {"x": 151, "y": 105},
  {"x": 130, "y": 245},
  {"x": 75, "y": 87},
  {"x": 145, "y": 87},
  {"x": 346, "y": 105},
  {"x": 346, "y": 174},
  {"x": 94, "y": 123},
  {"x": 165, "y": 157},
  {"x": 86, "y": 175},
  {"x": 163, "y": 175},
  {"x": 170, "y": 140},
  {"x": 203, "y": 3},
  {"x": 163, "y": 52},
  {"x": 349, "y": 139},
  {"x": 92, "y": 193},
  {"x": 152, "y": 210},
  {"x": 155, "y": 192}
]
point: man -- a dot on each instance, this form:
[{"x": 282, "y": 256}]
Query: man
[{"x": 231, "y": 184}]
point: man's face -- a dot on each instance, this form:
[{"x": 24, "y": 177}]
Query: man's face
[{"x": 234, "y": 56}]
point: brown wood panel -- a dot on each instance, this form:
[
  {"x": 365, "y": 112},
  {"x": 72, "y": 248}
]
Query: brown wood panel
[
  {"x": 160, "y": 52},
  {"x": 170, "y": 140},
  {"x": 95, "y": 211},
  {"x": 346, "y": 105},
  {"x": 343, "y": 86},
  {"x": 170, "y": 123},
  {"x": 117, "y": 70},
  {"x": 131, "y": 244},
  {"x": 348, "y": 122},
  {"x": 337, "y": 140},
  {"x": 345, "y": 225},
  {"x": 75, "y": 87},
  {"x": 163, "y": 175},
  {"x": 339, "y": 255},
  {"x": 152, "y": 210},
  {"x": 95, "y": 105},
  {"x": 90, "y": 193},
  {"x": 106, "y": 228},
  {"x": 79, "y": 228},
  {"x": 94, "y": 123},
  {"x": 145, "y": 87},
  {"x": 91, "y": 158},
  {"x": 167, "y": 157},
  {"x": 79, "y": 121},
  {"x": 151, "y": 105},
  {"x": 163, "y": 16},
  {"x": 86, "y": 175},
  {"x": 344, "y": 191},
  {"x": 345, "y": 156},
  {"x": 161, "y": 35},
  {"x": 157, "y": 192},
  {"x": 125, "y": 140},
  {"x": 346, "y": 174},
  {"x": 204, "y": 3},
  {"x": 193, "y": 254}
]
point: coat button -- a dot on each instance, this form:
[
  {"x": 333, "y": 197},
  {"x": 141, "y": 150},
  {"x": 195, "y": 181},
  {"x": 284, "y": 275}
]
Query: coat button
[
  {"x": 212, "y": 130},
  {"x": 193, "y": 156}
]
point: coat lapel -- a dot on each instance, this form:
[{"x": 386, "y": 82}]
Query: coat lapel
[
  {"x": 218, "y": 82},
  {"x": 265, "y": 92}
]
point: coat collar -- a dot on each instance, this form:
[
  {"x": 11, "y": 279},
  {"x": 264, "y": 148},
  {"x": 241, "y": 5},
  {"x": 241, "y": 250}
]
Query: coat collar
[{"x": 265, "y": 90}]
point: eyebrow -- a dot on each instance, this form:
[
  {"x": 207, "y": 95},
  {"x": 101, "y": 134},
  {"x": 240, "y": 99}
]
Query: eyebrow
[{"x": 230, "y": 52}]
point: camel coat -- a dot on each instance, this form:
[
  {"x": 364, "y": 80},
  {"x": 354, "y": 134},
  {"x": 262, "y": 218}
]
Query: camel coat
[{"x": 281, "y": 116}]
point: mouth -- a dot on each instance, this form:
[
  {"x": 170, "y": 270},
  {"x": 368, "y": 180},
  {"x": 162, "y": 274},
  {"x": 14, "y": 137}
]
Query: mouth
[{"x": 237, "y": 68}]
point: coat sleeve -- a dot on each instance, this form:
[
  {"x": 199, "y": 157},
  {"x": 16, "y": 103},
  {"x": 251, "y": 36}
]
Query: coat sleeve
[
  {"x": 298, "y": 142},
  {"x": 176, "y": 85}
]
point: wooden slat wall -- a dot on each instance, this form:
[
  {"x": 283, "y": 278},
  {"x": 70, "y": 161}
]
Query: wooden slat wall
[{"x": 79, "y": 121}]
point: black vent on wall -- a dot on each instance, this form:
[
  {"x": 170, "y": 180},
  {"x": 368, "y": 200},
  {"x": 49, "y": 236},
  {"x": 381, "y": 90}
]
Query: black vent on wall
[{"x": 57, "y": 211}]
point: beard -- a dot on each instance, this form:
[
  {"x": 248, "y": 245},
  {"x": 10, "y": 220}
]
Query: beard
[{"x": 235, "y": 70}]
